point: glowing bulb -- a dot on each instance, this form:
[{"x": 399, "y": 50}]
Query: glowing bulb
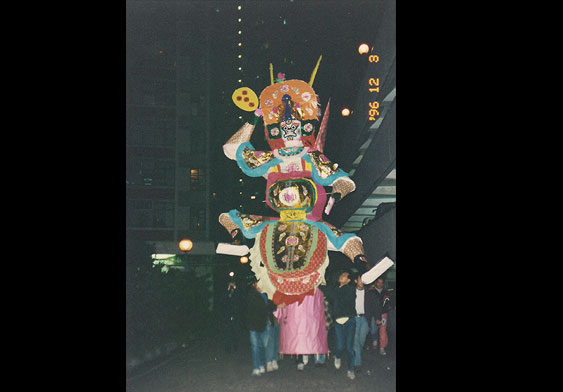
[
  {"x": 244, "y": 259},
  {"x": 240, "y": 56},
  {"x": 240, "y": 44},
  {"x": 185, "y": 245},
  {"x": 239, "y": 7},
  {"x": 345, "y": 112},
  {"x": 240, "y": 81},
  {"x": 240, "y": 32},
  {"x": 231, "y": 274},
  {"x": 363, "y": 48},
  {"x": 240, "y": 20},
  {"x": 240, "y": 68}
]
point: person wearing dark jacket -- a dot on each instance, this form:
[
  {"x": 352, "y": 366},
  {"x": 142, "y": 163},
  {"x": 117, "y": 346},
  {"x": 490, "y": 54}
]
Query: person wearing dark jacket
[
  {"x": 259, "y": 321},
  {"x": 231, "y": 317},
  {"x": 377, "y": 305},
  {"x": 343, "y": 305}
]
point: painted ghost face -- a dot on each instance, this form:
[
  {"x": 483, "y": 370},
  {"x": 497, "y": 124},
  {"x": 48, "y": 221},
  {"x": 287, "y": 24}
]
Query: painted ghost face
[{"x": 291, "y": 133}]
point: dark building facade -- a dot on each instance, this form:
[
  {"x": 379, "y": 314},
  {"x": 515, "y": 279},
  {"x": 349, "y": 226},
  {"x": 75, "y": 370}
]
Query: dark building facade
[{"x": 167, "y": 111}]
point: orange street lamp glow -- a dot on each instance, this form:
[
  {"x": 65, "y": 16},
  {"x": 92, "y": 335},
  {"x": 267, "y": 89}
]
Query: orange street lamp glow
[
  {"x": 244, "y": 259},
  {"x": 345, "y": 112},
  {"x": 185, "y": 245},
  {"x": 363, "y": 48}
]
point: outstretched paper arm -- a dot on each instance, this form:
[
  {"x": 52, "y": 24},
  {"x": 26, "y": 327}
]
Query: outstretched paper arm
[
  {"x": 244, "y": 98},
  {"x": 340, "y": 188},
  {"x": 241, "y": 136},
  {"x": 377, "y": 270}
]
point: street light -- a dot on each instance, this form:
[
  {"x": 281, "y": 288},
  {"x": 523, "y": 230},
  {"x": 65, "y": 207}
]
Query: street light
[{"x": 185, "y": 245}]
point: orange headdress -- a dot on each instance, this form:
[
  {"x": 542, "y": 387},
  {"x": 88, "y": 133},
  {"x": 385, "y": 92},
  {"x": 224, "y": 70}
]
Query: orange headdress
[{"x": 286, "y": 101}]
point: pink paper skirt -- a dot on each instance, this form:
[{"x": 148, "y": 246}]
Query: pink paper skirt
[{"x": 303, "y": 327}]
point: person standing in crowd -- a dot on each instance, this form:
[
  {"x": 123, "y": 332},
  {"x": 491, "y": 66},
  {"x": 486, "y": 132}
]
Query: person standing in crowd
[
  {"x": 231, "y": 314},
  {"x": 258, "y": 311},
  {"x": 362, "y": 327},
  {"x": 377, "y": 306},
  {"x": 343, "y": 301},
  {"x": 272, "y": 350}
]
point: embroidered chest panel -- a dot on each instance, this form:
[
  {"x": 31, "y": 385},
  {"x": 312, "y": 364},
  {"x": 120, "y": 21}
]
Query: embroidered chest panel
[
  {"x": 293, "y": 253},
  {"x": 293, "y": 194}
]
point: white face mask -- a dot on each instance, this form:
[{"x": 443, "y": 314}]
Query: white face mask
[{"x": 291, "y": 133}]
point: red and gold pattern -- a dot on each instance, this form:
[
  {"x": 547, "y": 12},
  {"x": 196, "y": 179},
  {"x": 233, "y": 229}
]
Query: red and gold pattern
[{"x": 297, "y": 281}]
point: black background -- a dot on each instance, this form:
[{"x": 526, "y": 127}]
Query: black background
[{"x": 67, "y": 174}]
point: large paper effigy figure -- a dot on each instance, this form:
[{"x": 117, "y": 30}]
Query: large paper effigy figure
[{"x": 290, "y": 252}]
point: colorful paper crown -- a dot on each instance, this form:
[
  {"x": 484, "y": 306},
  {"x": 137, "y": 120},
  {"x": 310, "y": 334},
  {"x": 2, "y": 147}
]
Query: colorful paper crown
[{"x": 286, "y": 101}]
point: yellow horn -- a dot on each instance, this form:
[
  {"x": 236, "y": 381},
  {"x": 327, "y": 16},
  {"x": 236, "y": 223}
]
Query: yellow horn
[
  {"x": 315, "y": 72},
  {"x": 271, "y": 74}
]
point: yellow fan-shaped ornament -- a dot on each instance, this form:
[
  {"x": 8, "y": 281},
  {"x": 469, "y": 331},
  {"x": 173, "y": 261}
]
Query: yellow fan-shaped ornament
[{"x": 245, "y": 99}]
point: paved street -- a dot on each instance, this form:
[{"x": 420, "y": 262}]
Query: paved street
[{"x": 207, "y": 367}]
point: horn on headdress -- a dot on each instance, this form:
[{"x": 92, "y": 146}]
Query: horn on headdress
[
  {"x": 315, "y": 72},
  {"x": 321, "y": 136},
  {"x": 271, "y": 74}
]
